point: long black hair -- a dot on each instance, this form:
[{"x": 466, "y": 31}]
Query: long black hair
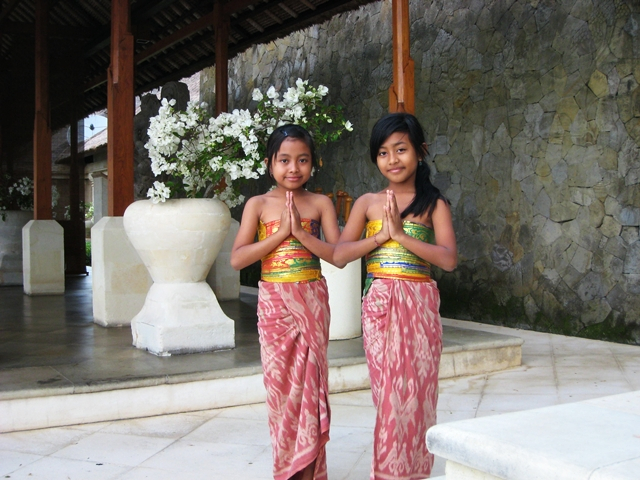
[
  {"x": 283, "y": 132},
  {"x": 427, "y": 195}
]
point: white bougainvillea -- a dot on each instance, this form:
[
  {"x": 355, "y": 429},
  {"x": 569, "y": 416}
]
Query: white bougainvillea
[{"x": 197, "y": 155}]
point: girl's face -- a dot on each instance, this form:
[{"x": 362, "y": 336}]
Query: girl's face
[
  {"x": 397, "y": 159},
  {"x": 291, "y": 166}
]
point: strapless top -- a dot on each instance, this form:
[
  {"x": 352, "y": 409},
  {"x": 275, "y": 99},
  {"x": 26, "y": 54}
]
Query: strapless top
[
  {"x": 392, "y": 260},
  {"x": 290, "y": 261}
]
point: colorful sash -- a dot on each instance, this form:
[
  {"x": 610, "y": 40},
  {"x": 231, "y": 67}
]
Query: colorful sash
[
  {"x": 392, "y": 260},
  {"x": 290, "y": 261}
]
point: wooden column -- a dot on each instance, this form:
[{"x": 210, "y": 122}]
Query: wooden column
[
  {"x": 120, "y": 109},
  {"x": 402, "y": 91},
  {"x": 221, "y": 20},
  {"x": 42, "y": 122}
]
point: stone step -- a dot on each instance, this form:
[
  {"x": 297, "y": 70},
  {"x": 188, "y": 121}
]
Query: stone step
[{"x": 30, "y": 399}]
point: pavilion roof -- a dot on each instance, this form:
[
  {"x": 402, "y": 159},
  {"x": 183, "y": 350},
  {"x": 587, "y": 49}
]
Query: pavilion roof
[{"x": 173, "y": 39}]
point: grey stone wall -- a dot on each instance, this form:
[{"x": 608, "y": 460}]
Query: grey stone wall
[{"x": 532, "y": 111}]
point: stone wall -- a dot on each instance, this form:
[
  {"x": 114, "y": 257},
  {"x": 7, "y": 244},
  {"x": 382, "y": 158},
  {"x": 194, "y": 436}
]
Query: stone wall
[{"x": 532, "y": 111}]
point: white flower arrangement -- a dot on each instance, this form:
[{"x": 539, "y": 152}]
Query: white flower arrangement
[{"x": 199, "y": 156}]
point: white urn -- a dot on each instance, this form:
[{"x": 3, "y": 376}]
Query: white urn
[{"x": 178, "y": 241}]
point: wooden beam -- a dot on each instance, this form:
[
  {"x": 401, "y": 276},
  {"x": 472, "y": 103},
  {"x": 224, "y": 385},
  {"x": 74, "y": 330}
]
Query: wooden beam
[
  {"x": 402, "y": 91},
  {"x": 6, "y": 11},
  {"x": 42, "y": 122},
  {"x": 222, "y": 58},
  {"x": 177, "y": 36},
  {"x": 120, "y": 110}
]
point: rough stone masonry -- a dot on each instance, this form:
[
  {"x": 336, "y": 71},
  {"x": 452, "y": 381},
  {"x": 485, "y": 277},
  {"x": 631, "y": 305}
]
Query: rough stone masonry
[{"x": 532, "y": 112}]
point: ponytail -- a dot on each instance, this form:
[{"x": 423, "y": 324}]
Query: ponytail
[{"x": 427, "y": 194}]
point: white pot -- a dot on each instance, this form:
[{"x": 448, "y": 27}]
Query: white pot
[
  {"x": 11, "y": 246},
  {"x": 178, "y": 242}
]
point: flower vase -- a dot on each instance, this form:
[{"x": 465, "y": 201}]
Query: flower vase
[
  {"x": 11, "y": 246},
  {"x": 178, "y": 241}
]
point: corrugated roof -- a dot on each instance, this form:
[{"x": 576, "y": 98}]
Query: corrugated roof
[{"x": 173, "y": 39}]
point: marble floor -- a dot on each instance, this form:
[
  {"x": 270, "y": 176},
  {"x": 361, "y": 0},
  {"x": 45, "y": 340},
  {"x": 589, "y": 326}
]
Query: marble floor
[{"x": 233, "y": 443}]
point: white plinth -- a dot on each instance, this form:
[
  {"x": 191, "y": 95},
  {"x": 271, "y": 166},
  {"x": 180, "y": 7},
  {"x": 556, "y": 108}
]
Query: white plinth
[
  {"x": 590, "y": 440},
  {"x": 43, "y": 258},
  {"x": 178, "y": 241},
  {"x": 345, "y": 294},
  {"x": 223, "y": 279},
  {"x": 11, "y": 246},
  {"x": 120, "y": 279},
  {"x": 179, "y": 318}
]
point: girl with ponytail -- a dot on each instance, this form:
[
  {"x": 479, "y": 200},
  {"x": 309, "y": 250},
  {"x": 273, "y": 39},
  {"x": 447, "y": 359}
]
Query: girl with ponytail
[{"x": 408, "y": 228}]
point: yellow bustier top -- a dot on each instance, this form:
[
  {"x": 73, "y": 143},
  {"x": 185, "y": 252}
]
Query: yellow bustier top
[
  {"x": 290, "y": 261},
  {"x": 392, "y": 260}
]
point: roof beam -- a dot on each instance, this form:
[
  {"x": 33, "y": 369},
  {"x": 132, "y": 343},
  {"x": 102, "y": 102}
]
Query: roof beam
[{"x": 6, "y": 11}]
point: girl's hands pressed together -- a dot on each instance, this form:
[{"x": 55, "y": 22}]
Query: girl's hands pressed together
[
  {"x": 392, "y": 219},
  {"x": 294, "y": 217}
]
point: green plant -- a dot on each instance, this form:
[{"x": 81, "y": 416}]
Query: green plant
[
  {"x": 198, "y": 156},
  {"x": 87, "y": 208},
  {"x": 15, "y": 194},
  {"x": 87, "y": 250}
]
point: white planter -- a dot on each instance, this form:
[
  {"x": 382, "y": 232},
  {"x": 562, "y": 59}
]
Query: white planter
[
  {"x": 345, "y": 294},
  {"x": 178, "y": 242},
  {"x": 11, "y": 246}
]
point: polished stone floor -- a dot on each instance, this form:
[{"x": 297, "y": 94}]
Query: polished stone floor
[{"x": 234, "y": 442}]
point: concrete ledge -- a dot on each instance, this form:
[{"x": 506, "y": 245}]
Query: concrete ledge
[
  {"x": 595, "y": 440},
  {"x": 72, "y": 406}
]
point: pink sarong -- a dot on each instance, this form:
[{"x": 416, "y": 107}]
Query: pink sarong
[
  {"x": 403, "y": 342},
  {"x": 293, "y": 322}
]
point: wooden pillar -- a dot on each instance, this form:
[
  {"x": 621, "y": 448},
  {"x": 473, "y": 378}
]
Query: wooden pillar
[
  {"x": 120, "y": 109},
  {"x": 42, "y": 123},
  {"x": 402, "y": 91},
  {"x": 222, "y": 57}
]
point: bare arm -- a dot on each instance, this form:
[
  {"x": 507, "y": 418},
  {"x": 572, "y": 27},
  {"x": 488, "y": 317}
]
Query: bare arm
[
  {"x": 350, "y": 246},
  {"x": 444, "y": 253},
  {"x": 329, "y": 223},
  {"x": 245, "y": 251}
]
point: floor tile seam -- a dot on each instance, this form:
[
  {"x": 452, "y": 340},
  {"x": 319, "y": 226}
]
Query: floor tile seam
[
  {"x": 622, "y": 369},
  {"x": 348, "y": 476}
]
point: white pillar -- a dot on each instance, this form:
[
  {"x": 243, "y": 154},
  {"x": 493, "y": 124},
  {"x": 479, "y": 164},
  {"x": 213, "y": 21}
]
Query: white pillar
[
  {"x": 120, "y": 279},
  {"x": 43, "y": 258},
  {"x": 345, "y": 294},
  {"x": 222, "y": 278},
  {"x": 11, "y": 246},
  {"x": 100, "y": 196}
]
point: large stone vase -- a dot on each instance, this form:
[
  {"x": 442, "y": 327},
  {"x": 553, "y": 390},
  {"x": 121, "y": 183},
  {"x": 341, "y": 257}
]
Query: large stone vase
[
  {"x": 178, "y": 242},
  {"x": 11, "y": 246}
]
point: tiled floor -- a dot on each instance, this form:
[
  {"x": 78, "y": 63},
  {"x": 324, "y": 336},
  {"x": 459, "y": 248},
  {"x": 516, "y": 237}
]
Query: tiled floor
[{"x": 233, "y": 443}]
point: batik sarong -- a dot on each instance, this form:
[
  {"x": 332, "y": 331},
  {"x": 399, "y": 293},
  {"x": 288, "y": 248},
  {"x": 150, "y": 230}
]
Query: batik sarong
[
  {"x": 293, "y": 322},
  {"x": 403, "y": 342}
]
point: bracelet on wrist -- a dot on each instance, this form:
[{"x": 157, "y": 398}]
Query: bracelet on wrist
[{"x": 376, "y": 240}]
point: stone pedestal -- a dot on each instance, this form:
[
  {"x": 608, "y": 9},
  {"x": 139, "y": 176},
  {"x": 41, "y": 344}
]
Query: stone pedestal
[
  {"x": 43, "y": 258},
  {"x": 120, "y": 279},
  {"x": 11, "y": 246},
  {"x": 222, "y": 278},
  {"x": 345, "y": 294},
  {"x": 178, "y": 241}
]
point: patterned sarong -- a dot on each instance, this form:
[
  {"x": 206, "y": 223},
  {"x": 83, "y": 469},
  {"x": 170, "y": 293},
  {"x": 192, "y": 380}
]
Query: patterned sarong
[
  {"x": 403, "y": 342},
  {"x": 293, "y": 322}
]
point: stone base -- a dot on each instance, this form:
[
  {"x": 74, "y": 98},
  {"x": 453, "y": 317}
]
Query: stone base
[
  {"x": 182, "y": 318},
  {"x": 11, "y": 246},
  {"x": 120, "y": 279},
  {"x": 345, "y": 294},
  {"x": 222, "y": 278},
  {"x": 43, "y": 258}
]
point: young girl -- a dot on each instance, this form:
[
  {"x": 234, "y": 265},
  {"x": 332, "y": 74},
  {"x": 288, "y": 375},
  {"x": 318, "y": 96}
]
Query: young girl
[
  {"x": 408, "y": 227},
  {"x": 293, "y": 302}
]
